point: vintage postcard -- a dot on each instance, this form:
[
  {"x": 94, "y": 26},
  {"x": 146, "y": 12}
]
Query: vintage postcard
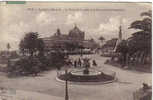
[{"x": 75, "y": 50}]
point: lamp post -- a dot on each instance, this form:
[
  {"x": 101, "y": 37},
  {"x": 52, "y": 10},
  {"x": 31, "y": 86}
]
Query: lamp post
[
  {"x": 8, "y": 52},
  {"x": 66, "y": 87},
  {"x": 81, "y": 47}
]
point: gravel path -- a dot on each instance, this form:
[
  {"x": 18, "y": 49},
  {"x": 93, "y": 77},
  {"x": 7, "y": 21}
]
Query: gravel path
[{"x": 128, "y": 82}]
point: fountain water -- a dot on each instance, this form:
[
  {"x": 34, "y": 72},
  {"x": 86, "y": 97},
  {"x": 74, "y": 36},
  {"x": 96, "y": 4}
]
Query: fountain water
[{"x": 87, "y": 74}]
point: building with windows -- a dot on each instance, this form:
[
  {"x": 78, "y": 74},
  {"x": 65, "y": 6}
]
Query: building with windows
[
  {"x": 74, "y": 39},
  {"x": 76, "y": 34}
]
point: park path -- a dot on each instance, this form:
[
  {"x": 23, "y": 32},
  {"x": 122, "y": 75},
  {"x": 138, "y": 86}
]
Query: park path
[{"x": 128, "y": 82}]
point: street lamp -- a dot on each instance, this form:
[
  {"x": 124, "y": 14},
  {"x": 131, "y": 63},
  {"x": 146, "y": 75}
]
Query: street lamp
[
  {"x": 66, "y": 86},
  {"x": 8, "y": 52}
]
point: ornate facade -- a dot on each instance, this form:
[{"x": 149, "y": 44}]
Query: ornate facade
[{"x": 75, "y": 36}]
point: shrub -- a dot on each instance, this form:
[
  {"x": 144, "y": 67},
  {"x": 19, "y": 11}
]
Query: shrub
[
  {"x": 34, "y": 65},
  {"x": 26, "y": 66},
  {"x": 57, "y": 60}
]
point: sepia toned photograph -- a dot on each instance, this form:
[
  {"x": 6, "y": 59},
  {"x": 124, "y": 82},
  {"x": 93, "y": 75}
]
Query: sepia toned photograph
[{"x": 75, "y": 50}]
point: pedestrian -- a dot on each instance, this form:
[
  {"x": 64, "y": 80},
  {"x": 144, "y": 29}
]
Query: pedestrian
[
  {"x": 75, "y": 64},
  {"x": 79, "y": 62},
  {"x": 94, "y": 63},
  {"x": 70, "y": 62}
]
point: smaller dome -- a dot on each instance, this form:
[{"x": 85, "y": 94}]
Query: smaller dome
[{"x": 58, "y": 32}]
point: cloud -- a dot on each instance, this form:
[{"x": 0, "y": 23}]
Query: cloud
[
  {"x": 112, "y": 24},
  {"x": 44, "y": 18},
  {"x": 14, "y": 34},
  {"x": 74, "y": 18},
  {"x": 110, "y": 28},
  {"x": 13, "y": 26}
]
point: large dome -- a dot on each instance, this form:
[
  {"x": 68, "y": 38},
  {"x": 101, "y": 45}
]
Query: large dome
[{"x": 76, "y": 33}]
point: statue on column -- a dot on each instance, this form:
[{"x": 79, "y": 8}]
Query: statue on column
[{"x": 86, "y": 65}]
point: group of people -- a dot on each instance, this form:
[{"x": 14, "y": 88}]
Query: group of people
[
  {"x": 81, "y": 62},
  {"x": 78, "y": 63}
]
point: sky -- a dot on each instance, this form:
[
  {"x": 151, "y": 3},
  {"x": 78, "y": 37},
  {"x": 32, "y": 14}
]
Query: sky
[{"x": 95, "y": 19}]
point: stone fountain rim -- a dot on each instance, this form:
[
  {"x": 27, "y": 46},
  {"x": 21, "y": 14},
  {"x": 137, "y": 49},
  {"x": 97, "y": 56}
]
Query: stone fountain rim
[{"x": 87, "y": 83}]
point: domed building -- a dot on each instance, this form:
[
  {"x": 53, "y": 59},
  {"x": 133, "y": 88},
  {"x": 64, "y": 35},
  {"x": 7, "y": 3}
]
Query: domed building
[
  {"x": 76, "y": 34},
  {"x": 74, "y": 39}
]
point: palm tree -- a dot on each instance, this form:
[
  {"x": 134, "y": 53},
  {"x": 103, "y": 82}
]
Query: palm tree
[
  {"x": 8, "y": 47},
  {"x": 101, "y": 38},
  {"x": 140, "y": 42},
  {"x": 123, "y": 49}
]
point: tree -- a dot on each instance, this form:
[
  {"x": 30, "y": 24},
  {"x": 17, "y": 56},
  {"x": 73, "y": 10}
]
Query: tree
[
  {"x": 123, "y": 49},
  {"x": 92, "y": 40},
  {"x": 149, "y": 13},
  {"x": 8, "y": 46},
  {"x": 101, "y": 39},
  {"x": 40, "y": 46},
  {"x": 31, "y": 44},
  {"x": 92, "y": 44},
  {"x": 22, "y": 47},
  {"x": 140, "y": 42}
]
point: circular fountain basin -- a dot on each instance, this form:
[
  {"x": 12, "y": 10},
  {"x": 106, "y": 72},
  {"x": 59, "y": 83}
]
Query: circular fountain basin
[{"x": 93, "y": 76}]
